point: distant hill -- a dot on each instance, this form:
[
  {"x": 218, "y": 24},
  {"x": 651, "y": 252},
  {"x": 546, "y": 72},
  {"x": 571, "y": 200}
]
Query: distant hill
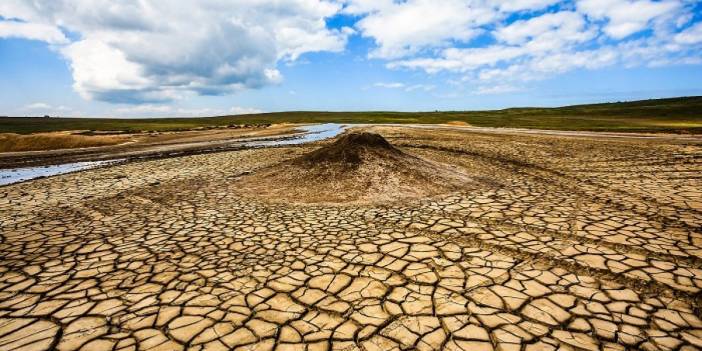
[{"x": 683, "y": 115}]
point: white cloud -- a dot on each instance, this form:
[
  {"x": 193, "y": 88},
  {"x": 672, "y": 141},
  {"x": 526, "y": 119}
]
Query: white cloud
[
  {"x": 524, "y": 5},
  {"x": 556, "y": 42},
  {"x": 547, "y": 32},
  {"x": 629, "y": 54},
  {"x": 405, "y": 87},
  {"x": 495, "y": 89},
  {"x": 690, "y": 36},
  {"x": 542, "y": 67},
  {"x": 422, "y": 87},
  {"x": 153, "y": 52},
  {"x": 538, "y": 36},
  {"x": 462, "y": 59},
  {"x": 361, "y": 7},
  {"x": 533, "y": 37},
  {"x": 404, "y": 28},
  {"x": 103, "y": 72},
  {"x": 33, "y": 31},
  {"x": 156, "y": 51},
  {"x": 37, "y": 106},
  {"x": 42, "y": 106},
  {"x": 391, "y": 85},
  {"x": 566, "y": 61},
  {"x": 626, "y": 17}
]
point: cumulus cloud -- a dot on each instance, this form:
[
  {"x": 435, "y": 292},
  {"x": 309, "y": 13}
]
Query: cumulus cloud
[
  {"x": 690, "y": 36},
  {"x": 627, "y": 17},
  {"x": 527, "y": 38},
  {"x": 362, "y": 7},
  {"x": 157, "y": 51},
  {"x": 547, "y": 32},
  {"x": 461, "y": 60},
  {"x": 404, "y": 28},
  {"x": 553, "y": 37},
  {"x": 153, "y": 52},
  {"x": 32, "y": 31}
]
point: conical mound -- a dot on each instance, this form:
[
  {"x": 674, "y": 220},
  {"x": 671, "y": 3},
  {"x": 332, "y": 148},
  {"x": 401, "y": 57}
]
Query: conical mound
[
  {"x": 350, "y": 150},
  {"x": 356, "y": 168}
]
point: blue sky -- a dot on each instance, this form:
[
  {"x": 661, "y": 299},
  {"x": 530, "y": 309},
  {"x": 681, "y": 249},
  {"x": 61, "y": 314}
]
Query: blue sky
[{"x": 146, "y": 58}]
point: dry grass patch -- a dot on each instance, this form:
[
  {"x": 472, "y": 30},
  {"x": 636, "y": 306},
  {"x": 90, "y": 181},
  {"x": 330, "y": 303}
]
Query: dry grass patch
[
  {"x": 458, "y": 124},
  {"x": 10, "y": 142}
]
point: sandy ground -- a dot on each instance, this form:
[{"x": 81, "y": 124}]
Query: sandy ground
[
  {"x": 559, "y": 243},
  {"x": 147, "y": 145}
]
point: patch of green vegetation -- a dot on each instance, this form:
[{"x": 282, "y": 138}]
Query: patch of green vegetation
[{"x": 682, "y": 115}]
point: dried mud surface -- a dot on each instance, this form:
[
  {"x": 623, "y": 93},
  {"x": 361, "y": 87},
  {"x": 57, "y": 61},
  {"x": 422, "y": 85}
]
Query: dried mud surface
[
  {"x": 558, "y": 243},
  {"x": 358, "y": 168}
]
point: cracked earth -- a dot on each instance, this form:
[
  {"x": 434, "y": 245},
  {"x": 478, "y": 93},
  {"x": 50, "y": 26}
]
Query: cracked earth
[{"x": 557, "y": 243}]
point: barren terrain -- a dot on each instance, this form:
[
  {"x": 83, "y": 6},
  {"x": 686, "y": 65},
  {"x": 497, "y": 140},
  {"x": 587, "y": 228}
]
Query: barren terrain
[
  {"x": 79, "y": 146},
  {"x": 552, "y": 242}
]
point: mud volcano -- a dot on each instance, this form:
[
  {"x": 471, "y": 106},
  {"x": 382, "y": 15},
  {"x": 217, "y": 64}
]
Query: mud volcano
[
  {"x": 356, "y": 168},
  {"x": 351, "y": 150}
]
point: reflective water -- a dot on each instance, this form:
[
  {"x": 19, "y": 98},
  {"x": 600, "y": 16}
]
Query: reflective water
[
  {"x": 312, "y": 133},
  {"x": 14, "y": 175}
]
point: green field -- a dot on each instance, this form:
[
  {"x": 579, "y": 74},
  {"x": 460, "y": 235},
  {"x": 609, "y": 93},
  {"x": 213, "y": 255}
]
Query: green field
[{"x": 680, "y": 115}]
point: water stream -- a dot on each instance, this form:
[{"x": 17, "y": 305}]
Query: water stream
[
  {"x": 314, "y": 132},
  {"x": 15, "y": 175}
]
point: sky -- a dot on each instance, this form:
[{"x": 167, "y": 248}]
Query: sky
[{"x": 156, "y": 58}]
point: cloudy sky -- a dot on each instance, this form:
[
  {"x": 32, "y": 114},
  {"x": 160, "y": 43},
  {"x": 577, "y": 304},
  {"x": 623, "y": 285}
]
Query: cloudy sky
[{"x": 211, "y": 57}]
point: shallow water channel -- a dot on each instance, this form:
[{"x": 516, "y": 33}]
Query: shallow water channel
[{"x": 314, "y": 132}]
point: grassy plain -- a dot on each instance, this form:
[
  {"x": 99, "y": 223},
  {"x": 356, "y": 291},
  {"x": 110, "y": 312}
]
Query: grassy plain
[{"x": 680, "y": 115}]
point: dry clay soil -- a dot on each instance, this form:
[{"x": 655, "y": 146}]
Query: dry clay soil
[{"x": 555, "y": 243}]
